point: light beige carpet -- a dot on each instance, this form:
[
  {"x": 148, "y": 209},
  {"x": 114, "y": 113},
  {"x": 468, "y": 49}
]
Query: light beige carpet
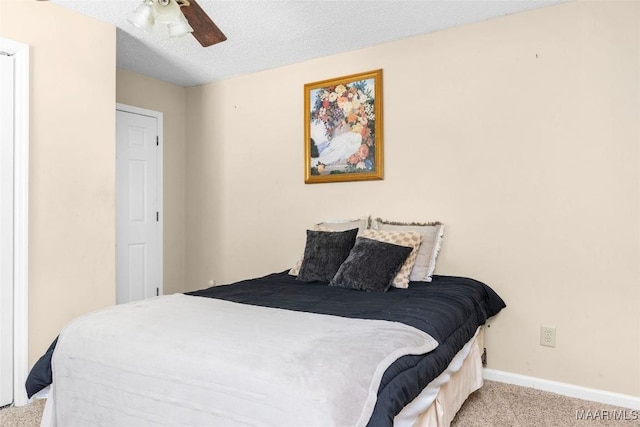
[
  {"x": 495, "y": 405},
  {"x": 24, "y": 416},
  {"x": 505, "y": 405}
]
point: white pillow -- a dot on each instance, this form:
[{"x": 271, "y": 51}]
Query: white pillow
[
  {"x": 432, "y": 233},
  {"x": 343, "y": 225}
]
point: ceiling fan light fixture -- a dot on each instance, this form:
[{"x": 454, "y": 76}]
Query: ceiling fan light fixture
[
  {"x": 143, "y": 16},
  {"x": 166, "y": 11},
  {"x": 180, "y": 27}
]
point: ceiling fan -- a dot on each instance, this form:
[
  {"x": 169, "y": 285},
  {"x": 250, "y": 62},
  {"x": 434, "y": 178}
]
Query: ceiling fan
[{"x": 181, "y": 16}]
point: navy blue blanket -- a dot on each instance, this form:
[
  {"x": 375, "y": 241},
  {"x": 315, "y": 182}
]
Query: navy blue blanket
[{"x": 450, "y": 309}]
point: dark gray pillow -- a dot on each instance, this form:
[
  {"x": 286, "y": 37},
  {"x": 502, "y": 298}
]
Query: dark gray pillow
[
  {"x": 371, "y": 265},
  {"x": 324, "y": 252}
]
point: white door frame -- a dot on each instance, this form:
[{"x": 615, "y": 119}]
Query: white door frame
[
  {"x": 20, "y": 52},
  {"x": 159, "y": 119}
]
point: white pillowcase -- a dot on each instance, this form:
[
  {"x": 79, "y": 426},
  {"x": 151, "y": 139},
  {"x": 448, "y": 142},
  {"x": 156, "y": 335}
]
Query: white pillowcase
[
  {"x": 432, "y": 233},
  {"x": 343, "y": 225}
]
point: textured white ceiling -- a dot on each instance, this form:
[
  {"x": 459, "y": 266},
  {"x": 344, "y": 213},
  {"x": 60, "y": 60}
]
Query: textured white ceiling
[{"x": 271, "y": 33}]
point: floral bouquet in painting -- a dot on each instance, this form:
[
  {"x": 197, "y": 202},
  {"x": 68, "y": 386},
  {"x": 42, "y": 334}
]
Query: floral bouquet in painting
[{"x": 342, "y": 120}]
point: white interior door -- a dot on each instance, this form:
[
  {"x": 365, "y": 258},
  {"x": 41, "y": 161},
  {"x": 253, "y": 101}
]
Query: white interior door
[
  {"x": 138, "y": 201},
  {"x": 6, "y": 227}
]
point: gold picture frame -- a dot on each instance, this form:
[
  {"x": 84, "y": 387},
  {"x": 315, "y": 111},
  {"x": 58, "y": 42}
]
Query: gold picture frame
[{"x": 343, "y": 129}]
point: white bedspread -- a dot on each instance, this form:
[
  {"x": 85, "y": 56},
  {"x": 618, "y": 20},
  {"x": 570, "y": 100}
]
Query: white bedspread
[{"x": 190, "y": 361}]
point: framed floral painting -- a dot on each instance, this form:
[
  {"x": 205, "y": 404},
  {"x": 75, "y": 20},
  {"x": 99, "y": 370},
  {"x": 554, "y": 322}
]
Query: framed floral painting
[{"x": 343, "y": 129}]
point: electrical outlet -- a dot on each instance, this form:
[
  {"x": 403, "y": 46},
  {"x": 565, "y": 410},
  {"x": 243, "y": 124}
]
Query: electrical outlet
[{"x": 547, "y": 336}]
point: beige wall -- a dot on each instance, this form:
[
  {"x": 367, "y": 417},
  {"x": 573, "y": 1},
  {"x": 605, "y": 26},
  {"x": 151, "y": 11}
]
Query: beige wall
[
  {"x": 72, "y": 163},
  {"x": 520, "y": 133},
  {"x": 145, "y": 92}
]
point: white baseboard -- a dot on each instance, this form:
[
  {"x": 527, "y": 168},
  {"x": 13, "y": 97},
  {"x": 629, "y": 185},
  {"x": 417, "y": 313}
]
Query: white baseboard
[{"x": 564, "y": 389}]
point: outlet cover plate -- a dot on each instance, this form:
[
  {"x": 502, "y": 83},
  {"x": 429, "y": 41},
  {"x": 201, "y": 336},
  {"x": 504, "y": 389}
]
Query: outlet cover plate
[{"x": 547, "y": 336}]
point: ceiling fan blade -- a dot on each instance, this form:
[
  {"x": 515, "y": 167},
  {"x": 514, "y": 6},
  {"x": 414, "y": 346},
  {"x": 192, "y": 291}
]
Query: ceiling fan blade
[{"x": 204, "y": 30}]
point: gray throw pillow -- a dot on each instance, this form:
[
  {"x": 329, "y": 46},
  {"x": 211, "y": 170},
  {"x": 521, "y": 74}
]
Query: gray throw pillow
[
  {"x": 324, "y": 252},
  {"x": 371, "y": 265}
]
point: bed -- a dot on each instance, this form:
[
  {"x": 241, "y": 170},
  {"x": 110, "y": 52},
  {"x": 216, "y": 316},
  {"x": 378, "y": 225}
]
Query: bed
[{"x": 277, "y": 351}]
